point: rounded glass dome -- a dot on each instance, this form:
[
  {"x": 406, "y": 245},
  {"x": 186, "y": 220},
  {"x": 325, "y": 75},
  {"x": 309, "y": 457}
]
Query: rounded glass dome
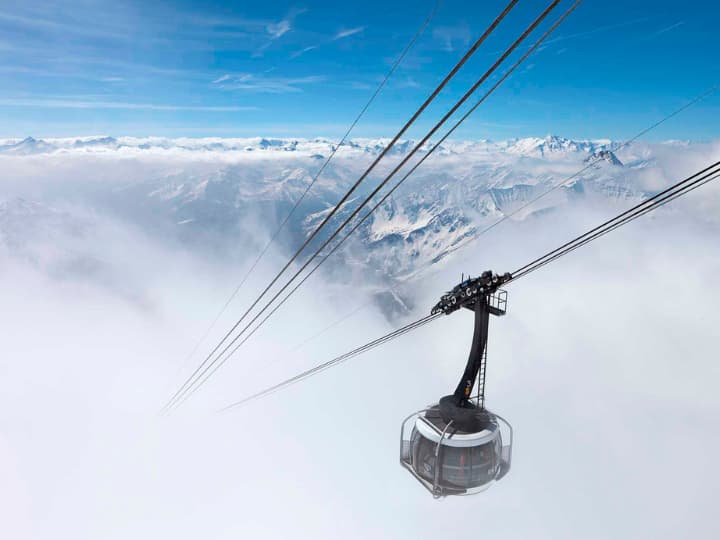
[{"x": 451, "y": 461}]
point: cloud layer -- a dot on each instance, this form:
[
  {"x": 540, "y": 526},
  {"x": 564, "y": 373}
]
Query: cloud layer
[{"x": 605, "y": 365}]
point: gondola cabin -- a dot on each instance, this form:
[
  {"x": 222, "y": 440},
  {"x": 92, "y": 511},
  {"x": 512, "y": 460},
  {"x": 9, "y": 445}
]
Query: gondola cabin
[{"x": 457, "y": 446}]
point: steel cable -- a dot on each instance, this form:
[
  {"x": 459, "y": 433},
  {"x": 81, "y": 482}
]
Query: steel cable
[
  {"x": 615, "y": 226},
  {"x": 420, "y": 31},
  {"x": 384, "y": 198},
  {"x": 203, "y": 366},
  {"x": 335, "y": 361},
  {"x": 679, "y": 189},
  {"x": 619, "y": 146},
  {"x": 211, "y": 368},
  {"x": 565, "y": 181}
]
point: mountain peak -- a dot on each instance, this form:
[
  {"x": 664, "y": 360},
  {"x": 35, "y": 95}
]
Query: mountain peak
[{"x": 604, "y": 155}]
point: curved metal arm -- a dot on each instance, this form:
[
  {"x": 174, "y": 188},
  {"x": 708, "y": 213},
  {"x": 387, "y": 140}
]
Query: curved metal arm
[
  {"x": 477, "y": 352},
  {"x": 437, "y": 492}
]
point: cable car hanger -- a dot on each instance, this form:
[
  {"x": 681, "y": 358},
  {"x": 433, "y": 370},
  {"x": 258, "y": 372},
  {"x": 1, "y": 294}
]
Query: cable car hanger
[{"x": 457, "y": 446}]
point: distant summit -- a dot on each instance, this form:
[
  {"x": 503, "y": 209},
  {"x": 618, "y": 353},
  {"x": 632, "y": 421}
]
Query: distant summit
[
  {"x": 26, "y": 146},
  {"x": 604, "y": 155},
  {"x": 109, "y": 142},
  {"x": 549, "y": 147},
  {"x": 554, "y": 146}
]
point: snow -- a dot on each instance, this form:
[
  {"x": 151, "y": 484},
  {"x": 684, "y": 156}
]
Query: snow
[
  {"x": 215, "y": 184},
  {"x": 532, "y": 146}
]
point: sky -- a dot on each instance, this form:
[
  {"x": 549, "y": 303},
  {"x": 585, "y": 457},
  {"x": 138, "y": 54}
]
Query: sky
[
  {"x": 605, "y": 364},
  {"x": 609, "y": 381},
  {"x": 84, "y": 67}
]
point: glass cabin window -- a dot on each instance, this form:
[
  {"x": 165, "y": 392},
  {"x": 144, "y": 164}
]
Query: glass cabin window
[
  {"x": 460, "y": 468},
  {"x": 468, "y": 467}
]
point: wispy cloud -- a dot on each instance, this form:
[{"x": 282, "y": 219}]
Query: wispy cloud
[
  {"x": 278, "y": 29},
  {"x": 166, "y": 28},
  {"x": 408, "y": 82},
  {"x": 275, "y": 30},
  {"x": 264, "y": 84},
  {"x": 57, "y": 73},
  {"x": 82, "y": 104},
  {"x": 597, "y": 30},
  {"x": 98, "y": 29},
  {"x": 134, "y": 68},
  {"x": 337, "y": 36},
  {"x": 449, "y": 36},
  {"x": 296, "y": 54},
  {"x": 671, "y": 27},
  {"x": 361, "y": 85},
  {"x": 348, "y": 32},
  {"x": 579, "y": 35}
]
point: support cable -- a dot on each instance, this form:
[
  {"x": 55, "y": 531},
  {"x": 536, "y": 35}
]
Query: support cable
[
  {"x": 420, "y": 31},
  {"x": 384, "y": 198},
  {"x": 691, "y": 183},
  {"x": 335, "y": 361},
  {"x": 219, "y": 360},
  {"x": 190, "y": 381},
  {"x": 564, "y": 182},
  {"x": 675, "y": 191},
  {"x": 646, "y": 130}
]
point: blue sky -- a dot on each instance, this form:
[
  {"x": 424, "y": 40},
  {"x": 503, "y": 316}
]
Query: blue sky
[{"x": 305, "y": 69}]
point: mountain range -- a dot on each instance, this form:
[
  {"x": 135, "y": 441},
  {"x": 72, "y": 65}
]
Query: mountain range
[{"x": 231, "y": 194}]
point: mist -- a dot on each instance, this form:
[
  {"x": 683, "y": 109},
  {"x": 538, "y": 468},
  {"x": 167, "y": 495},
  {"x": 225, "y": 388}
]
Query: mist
[{"x": 605, "y": 366}]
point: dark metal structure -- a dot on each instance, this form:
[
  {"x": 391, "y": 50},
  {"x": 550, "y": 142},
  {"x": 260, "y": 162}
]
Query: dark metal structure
[{"x": 457, "y": 446}]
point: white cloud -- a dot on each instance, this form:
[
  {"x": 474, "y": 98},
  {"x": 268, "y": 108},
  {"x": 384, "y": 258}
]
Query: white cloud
[
  {"x": 348, "y": 32},
  {"x": 599, "y": 29},
  {"x": 669, "y": 28},
  {"x": 103, "y": 26},
  {"x": 450, "y": 36},
  {"x": 605, "y": 365},
  {"x": 299, "y": 53},
  {"x": 282, "y": 27},
  {"x": 279, "y": 29},
  {"x": 265, "y": 84},
  {"x": 408, "y": 82},
  {"x": 80, "y": 104},
  {"x": 275, "y": 30}
]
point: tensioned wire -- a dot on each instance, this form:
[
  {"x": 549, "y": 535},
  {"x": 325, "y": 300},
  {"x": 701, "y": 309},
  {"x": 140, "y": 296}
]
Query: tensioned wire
[
  {"x": 420, "y": 31},
  {"x": 563, "y": 182},
  {"x": 679, "y": 189},
  {"x": 382, "y": 200},
  {"x": 220, "y": 360},
  {"x": 192, "y": 379}
]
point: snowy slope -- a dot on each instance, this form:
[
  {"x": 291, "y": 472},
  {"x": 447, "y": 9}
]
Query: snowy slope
[{"x": 236, "y": 191}]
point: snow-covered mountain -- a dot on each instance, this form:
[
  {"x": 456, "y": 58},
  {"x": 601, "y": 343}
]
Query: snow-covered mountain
[
  {"x": 26, "y": 146},
  {"x": 231, "y": 194},
  {"x": 318, "y": 147}
]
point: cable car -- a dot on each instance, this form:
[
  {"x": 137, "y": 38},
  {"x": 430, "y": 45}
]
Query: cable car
[
  {"x": 453, "y": 461},
  {"x": 457, "y": 446}
]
